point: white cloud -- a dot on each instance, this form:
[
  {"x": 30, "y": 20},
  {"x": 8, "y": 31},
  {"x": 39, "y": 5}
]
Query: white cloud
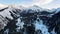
[
  {"x": 33, "y": 2},
  {"x": 3, "y": 5},
  {"x": 37, "y": 2},
  {"x": 41, "y": 2},
  {"x": 51, "y": 6}
]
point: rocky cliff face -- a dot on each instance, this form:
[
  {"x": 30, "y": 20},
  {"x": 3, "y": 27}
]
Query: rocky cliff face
[{"x": 32, "y": 20}]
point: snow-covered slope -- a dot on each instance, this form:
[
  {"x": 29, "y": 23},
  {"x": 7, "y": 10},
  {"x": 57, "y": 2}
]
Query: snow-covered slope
[{"x": 8, "y": 12}]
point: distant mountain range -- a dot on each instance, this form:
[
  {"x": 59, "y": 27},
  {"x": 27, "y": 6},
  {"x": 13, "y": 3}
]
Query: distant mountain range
[{"x": 10, "y": 14}]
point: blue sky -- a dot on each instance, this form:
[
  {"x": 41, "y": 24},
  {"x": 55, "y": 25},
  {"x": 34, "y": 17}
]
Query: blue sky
[
  {"x": 15, "y": 1},
  {"x": 41, "y": 3}
]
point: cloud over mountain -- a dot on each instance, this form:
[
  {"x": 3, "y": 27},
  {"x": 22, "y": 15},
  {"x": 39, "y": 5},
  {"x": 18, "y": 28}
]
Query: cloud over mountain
[{"x": 2, "y": 6}]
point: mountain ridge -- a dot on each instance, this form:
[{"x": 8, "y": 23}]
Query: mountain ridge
[{"x": 10, "y": 15}]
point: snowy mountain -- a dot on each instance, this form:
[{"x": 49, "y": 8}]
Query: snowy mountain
[{"x": 29, "y": 20}]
